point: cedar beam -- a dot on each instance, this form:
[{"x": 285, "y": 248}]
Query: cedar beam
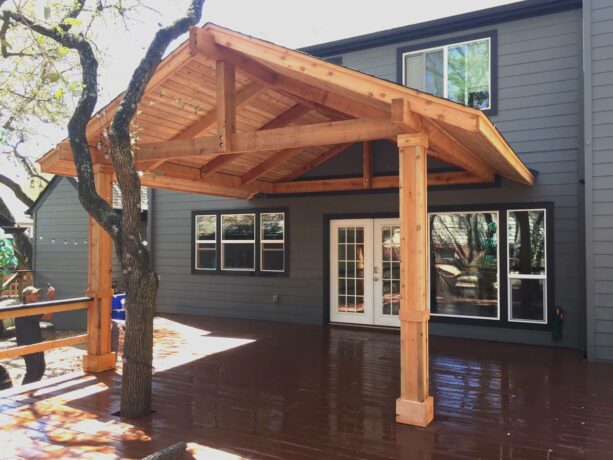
[
  {"x": 367, "y": 171},
  {"x": 307, "y": 69},
  {"x": 244, "y": 96},
  {"x": 227, "y": 181},
  {"x": 446, "y": 148},
  {"x": 272, "y": 139},
  {"x": 403, "y": 117},
  {"x": 289, "y": 116},
  {"x": 226, "y": 104},
  {"x": 377, "y": 182},
  {"x": 99, "y": 356},
  {"x": 414, "y": 406},
  {"x": 356, "y": 105}
]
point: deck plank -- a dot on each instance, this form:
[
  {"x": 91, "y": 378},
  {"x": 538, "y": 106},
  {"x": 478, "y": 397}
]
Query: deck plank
[{"x": 254, "y": 389}]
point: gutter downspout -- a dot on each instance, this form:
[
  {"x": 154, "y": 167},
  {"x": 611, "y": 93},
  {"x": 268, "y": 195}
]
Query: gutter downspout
[{"x": 588, "y": 177}]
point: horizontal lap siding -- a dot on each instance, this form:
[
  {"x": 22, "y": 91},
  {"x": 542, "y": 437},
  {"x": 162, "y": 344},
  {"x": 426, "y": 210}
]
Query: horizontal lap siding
[
  {"x": 601, "y": 35},
  {"x": 62, "y": 218},
  {"x": 538, "y": 111},
  {"x": 300, "y": 294}
]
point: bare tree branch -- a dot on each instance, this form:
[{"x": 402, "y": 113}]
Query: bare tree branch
[
  {"x": 94, "y": 204},
  {"x": 17, "y": 190}
]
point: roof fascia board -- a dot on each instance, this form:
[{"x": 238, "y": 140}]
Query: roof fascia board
[{"x": 487, "y": 17}]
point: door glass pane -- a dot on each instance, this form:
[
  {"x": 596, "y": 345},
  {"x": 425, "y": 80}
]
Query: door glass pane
[
  {"x": 526, "y": 236},
  {"x": 390, "y": 273},
  {"x": 527, "y": 299},
  {"x": 464, "y": 264},
  {"x": 351, "y": 269}
]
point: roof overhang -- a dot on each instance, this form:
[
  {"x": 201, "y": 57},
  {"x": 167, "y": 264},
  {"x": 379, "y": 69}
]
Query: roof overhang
[{"x": 231, "y": 115}]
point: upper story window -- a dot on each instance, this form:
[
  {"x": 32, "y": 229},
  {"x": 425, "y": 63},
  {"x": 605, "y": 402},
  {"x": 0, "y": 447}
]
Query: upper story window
[{"x": 461, "y": 71}]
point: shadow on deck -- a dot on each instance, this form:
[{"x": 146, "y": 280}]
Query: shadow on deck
[{"x": 254, "y": 389}]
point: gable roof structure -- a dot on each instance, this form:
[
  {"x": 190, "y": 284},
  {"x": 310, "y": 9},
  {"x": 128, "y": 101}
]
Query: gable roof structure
[{"x": 231, "y": 115}]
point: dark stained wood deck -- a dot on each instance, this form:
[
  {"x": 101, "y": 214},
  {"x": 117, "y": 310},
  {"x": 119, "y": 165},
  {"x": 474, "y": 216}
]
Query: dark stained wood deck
[{"x": 236, "y": 388}]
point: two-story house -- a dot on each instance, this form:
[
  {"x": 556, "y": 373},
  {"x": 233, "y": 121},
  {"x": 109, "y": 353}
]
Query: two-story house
[{"x": 506, "y": 262}]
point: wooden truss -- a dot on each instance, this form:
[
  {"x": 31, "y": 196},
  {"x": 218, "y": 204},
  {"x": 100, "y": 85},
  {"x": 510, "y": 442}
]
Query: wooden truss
[{"x": 226, "y": 114}]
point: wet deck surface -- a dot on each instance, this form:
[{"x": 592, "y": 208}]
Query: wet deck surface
[{"x": 236, "y": 388}]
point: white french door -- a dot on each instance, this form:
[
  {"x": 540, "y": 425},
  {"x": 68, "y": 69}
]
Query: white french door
[
  {"x": 386, "y": 272},
  {"x": 365, "y": 271}
]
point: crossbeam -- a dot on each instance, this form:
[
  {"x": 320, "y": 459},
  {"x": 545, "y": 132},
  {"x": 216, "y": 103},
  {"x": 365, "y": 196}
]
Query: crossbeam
[
  {"x": 376, "y": 182},
  {"x": 289, "y": 116},
  {"x": 316, "y": 134}
]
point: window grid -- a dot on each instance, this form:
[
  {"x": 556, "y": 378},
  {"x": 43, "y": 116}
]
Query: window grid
[
  {"x": 351, "y": 269},
  {"x": 200, "y": 242},
  {"x": 263, "y": 242},
  {"x": 519, "y": 276},
  {"x": 225, "y": 242}
]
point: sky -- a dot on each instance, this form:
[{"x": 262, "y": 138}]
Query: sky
[{"x": 291, "y": 23}]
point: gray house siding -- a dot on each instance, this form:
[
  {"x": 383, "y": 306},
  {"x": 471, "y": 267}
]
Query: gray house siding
[
  {"x": 598, "y": 48},
  {"x": 539, "y": 112},
  {"x": 59, "y": 222}
]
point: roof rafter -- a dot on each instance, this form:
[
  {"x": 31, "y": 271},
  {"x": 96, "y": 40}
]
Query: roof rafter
[{"x": 352, "y": 104}]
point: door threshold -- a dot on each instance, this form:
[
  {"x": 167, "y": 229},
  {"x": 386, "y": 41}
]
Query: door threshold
[{"x": 365, "y": 326}]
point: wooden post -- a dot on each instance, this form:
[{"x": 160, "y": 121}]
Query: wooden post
[
  {"x": 226, "y": 104},
  {"x": 99, "y": 355},
  {"x": 366, "y": 165},
  {"x": 415, "y": 405}
]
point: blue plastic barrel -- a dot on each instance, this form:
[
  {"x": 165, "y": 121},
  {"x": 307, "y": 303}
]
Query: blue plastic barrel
[
  {"x": 118, "y": 307},
  {"x": 118, "y": 302}
]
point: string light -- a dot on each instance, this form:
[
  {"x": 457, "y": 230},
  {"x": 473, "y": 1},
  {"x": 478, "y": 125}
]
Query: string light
[
  {"x": 40, "y": 237},
  {"x": 52, "y": 240},
  {"x": 99, "y": 146},
  {"x": 65, "y": 242}
]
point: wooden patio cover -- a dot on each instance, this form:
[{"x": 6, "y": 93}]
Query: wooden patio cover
[
  {"x": 230, "y": 115},
  {"x": 281, "y": 113}
]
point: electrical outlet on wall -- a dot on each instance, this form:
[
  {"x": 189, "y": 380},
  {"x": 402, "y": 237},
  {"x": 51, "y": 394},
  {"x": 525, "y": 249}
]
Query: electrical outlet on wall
[{"x": 275, "y": 298}]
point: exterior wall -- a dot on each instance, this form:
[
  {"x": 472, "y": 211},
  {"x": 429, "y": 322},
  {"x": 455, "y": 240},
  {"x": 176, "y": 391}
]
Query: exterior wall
[
  {"x": 598, "y": 43},
  {"x": 539, "y": 112},
  {"x": 60, "y": 216}
]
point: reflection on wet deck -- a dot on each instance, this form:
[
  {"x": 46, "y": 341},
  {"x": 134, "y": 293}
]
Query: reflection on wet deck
[{"x": 237, "y": 388}]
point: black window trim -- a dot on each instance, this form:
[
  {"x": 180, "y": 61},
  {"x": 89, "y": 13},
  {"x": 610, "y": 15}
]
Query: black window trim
[
  {"x": 502, "y": 209},
  {"x": 502, "y": 242},
  {"x": 229, "y": 272},
  {"x": 491, "y": 34}
]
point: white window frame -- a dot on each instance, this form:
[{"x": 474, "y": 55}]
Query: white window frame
[
  {"x": 198, "y": 241},
  {"x": 468, "y": 211},
  {"x": 445, "y": 49},
  {"x": 263, "y": 242},
  {"x": 520, "y": 276},
  {"x": 223, "y": 242}
]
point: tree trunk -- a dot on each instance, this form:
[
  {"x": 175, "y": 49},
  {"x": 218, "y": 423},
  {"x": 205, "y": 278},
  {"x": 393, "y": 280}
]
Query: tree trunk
[{"x": 138, "y": 345}]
